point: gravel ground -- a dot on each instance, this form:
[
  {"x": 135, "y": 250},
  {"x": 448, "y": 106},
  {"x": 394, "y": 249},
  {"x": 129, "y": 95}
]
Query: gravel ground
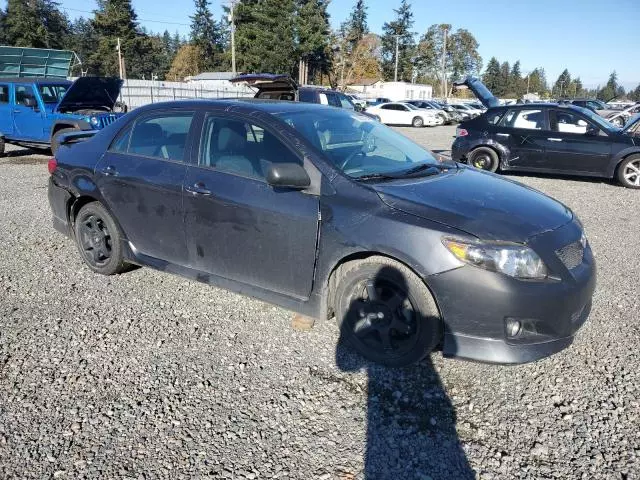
[{"x": 146, "y": 375}]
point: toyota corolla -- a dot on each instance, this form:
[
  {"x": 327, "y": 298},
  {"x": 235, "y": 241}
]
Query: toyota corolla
[{"x": 328, "y": 213}]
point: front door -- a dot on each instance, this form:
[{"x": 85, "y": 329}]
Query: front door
[
  {"x": 6, "y": 111},
  {"x": 524, "y": 130},
  {"x": 576, "y": 144},
  {"x": 238, "y": 226},
  {"x": 141, "y": 176},
  {"x": 28, "y": 114}
]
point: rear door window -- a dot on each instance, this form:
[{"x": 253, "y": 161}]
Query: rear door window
[
  {"x": 161, "y": 136},
  {"x": 527, "y": 119}
]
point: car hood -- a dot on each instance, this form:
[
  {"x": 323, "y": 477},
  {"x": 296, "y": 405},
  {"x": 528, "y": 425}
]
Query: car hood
[
  {"x": 88, "y": 92},
  {"x": 479, "y": 203},
  {"x": 479, "y": 89}
]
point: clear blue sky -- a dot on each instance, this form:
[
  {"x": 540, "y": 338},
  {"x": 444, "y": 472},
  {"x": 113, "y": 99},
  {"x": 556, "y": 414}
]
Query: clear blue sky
[{"x": 554, "y": 34}]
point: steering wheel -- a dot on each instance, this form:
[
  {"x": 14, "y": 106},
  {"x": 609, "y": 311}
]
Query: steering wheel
[{"x": 351, "y": 156}]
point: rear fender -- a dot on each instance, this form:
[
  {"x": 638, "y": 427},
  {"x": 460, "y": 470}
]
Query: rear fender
[{"x": 503, "y": 152}]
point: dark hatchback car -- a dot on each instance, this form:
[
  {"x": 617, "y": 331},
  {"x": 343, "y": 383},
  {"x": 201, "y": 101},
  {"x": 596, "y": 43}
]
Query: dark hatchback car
[
  {"x": 326, "y": 212},
  {"x": 547, "y": 138}
]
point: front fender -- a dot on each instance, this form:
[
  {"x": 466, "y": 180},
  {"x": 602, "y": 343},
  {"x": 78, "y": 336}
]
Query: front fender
[
  {"x": 619, "y": 157},
  {"x": 76, "y": 123}
]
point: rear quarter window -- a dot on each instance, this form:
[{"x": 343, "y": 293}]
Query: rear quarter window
[{"x": 493, "y": 118}]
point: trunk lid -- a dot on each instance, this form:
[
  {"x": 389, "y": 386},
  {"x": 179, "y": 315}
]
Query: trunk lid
[
  {"x": 479, "y": 89},
  {"x": 265, "y": 82},
  {"x": 91, "y": 92}
]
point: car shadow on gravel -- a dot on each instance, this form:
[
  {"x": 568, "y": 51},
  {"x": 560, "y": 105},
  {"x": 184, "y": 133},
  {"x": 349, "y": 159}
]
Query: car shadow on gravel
[{"x": 411, "y": 422}]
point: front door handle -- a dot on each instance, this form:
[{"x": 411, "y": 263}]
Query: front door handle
[
  {"x": 198, "y": 188},
  {"x": 110, "y": 171},
  {"x": 502, "y": 134},
  {"x": 554, "y": 139},
  {"x": 17, "y": 111}
]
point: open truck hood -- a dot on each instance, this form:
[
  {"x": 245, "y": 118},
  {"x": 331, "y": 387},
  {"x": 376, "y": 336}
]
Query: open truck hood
[
  {"x": 90, "y": 92},
  {"x": 267, "y": 81},
  {"x": 479, "y": 89}
]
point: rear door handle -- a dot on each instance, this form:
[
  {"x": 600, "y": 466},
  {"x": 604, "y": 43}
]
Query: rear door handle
[
  {"x": 198, "y": 188},
  {"x": 110, "y": 171},
  {"x": 502, "y": 134},
  {"x": 554, "y": 139}
]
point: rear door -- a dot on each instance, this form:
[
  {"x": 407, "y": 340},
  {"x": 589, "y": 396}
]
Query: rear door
[
  {"x": 238, "y": 226},
  {"x": 525, "y": 132},
  {"x": 141, "y": 176},
  {"x": 28, "y": 114},
  {"x": 576, "y": 144},
  {"x": 6, "y": 114}
]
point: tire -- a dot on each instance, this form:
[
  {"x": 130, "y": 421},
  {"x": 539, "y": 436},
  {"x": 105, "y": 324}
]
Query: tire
[
  {"x": 417, "y": 122},
  {"x": 618, "y": 122},
  {"x": 629, "y": 172},
  {"x": 56, "y": 136},
  {"x": 1, "y": 146},
  {"x": 484, "y": 158},
  {"x": 400, "y": 326},
  {"x": 99, "y": 240}
]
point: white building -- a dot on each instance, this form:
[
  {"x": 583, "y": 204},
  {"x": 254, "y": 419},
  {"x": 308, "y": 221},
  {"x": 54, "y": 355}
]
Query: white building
[{"x": 394, "y": 91}]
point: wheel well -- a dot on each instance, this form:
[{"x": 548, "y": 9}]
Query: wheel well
[
  {"x": 59, "y": 126},
  {"x": 76, "y": 204},
  {"x": 341, "y": 265},
  {"x": 615, "y": 170}
]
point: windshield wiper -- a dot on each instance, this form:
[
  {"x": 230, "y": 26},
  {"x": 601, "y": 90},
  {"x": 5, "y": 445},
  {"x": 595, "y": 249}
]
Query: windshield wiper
[
  {"x": 422, "y": 169},
  {"x": 376, "y": 176}
]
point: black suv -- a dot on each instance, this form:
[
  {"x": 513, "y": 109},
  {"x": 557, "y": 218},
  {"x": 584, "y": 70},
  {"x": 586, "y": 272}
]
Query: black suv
[
  {"x": 547, "y": 138},
  {"x": 283, "y": 87}
]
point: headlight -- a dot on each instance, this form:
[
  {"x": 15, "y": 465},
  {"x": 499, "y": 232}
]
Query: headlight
[
  {"x": 94, "y": 121},
  {"x": 515, "y": 260}
]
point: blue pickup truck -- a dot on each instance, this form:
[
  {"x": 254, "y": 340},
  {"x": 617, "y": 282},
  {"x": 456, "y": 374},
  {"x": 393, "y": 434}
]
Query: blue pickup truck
[{"x": 36, "y": 112}]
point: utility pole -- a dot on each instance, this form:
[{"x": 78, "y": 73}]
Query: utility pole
[
  {"x": 233, "y": 37},
  {"x": 120, "y": 62},
  {"x": 395, "y": 76},
  {"x": 445, "y": 92}
]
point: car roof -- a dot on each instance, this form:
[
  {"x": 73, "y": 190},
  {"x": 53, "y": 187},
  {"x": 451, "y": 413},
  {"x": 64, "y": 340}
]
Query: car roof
[
  {"x": 42, "y": 80},
  {"x": 243, "y": 105}
]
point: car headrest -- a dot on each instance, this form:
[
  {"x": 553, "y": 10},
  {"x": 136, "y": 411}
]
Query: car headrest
[
  {"x": 232, "y": 137},
  {"x": 147, "y": 134}
]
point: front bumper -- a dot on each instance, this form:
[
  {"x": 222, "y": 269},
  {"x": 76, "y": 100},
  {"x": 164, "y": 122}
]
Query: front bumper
[{"x": 475, "y": 305}]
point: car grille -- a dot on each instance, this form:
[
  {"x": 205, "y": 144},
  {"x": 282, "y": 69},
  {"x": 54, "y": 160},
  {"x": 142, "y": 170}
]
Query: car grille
[
  {"x": 107, "y": 120},
  {"x": 571, "y": 255}
]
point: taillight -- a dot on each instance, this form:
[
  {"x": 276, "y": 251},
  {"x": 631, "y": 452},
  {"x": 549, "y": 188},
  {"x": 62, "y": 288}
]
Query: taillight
[
  {"x": 461, "y": 132},
  {"x": 51, "y": 165}
]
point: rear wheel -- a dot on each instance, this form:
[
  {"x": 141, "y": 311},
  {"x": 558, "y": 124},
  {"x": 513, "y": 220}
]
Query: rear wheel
[
  {"x": 99, "y": 240},
  {"x": 629, "y": 172},
  {"x": 417, "y": 122},
  {"x": 484, "y": 158},
  {"x": 55, "y": 139},
  {"x": 386, "y": 312}
]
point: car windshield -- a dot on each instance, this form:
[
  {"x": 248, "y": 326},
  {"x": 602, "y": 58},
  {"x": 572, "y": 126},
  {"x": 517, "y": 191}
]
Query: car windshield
[
  {"x": 52, "y": 93},
  {"x": 411, "y": 107},
  {"x": 357, "y": 145}
]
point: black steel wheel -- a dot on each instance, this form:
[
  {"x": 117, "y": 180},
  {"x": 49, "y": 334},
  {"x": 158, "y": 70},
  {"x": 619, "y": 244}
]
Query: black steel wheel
[
  {"x": 386, "y": 312},
  {"x": 99, "y": 239},
  {"x": 484, "y": 158}
]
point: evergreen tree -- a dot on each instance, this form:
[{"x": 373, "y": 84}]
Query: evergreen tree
[
  {"x": 537, "y": 82},
  {"x": 610, "y": 90},
  {"x": 560, "y": 88},
  {"x": 491, "y": 77},
  {"x": 357, "y": 24},
  {"x": 37, "y": 24},
  {"x": 312, "y": 29},
  {"x": 265, "y": 36},
  {"x": 516, "y": 88},
  {"x": 505, "y": 77},
  {"x": 82, "y": 40},
  {"x": 205, "y": 35},
  {"x": 399, "y": 29}
]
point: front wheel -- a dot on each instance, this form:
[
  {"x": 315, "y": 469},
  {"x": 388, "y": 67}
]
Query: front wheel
[
  {"x": 618, "y": 122},
  {"x": 629, "y": 172},
  {"x": 417, "y": 122},
  {"x": 484, "y": 158},
  {"x": 386, "y": 312},
  {"x": 99, "y": 240}
]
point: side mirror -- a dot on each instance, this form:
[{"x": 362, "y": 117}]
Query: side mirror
[
  {"x": 592, "y": 131},
  {"x": 288, "y": 175}
]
